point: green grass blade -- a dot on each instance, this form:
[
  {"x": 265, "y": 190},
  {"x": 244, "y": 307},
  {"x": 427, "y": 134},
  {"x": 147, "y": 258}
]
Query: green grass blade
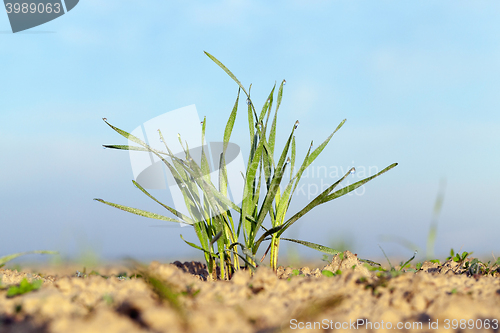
[
  {"x": 267, "y": 233},
  {"x": 246, "y": 251},
  {"x": 251, "y": 121},
  {"x": 227, "y": 71},
  {"x": 140, "y": 212},
  {"x": 314, "y": 246},
  {"x": 315, "y": 202},
  {"x": 271, "y": 99},
  {"x": 199, "y": 248},
  {"x": 128, "y": 135},
  {"x": 125, "y": 147},
  {"x": 230, "y": 123},
  {"x": 280, "y": 95},
  {"x": 248, "y": 190},
  {"x": 387, "y": 258},
  {"x": 354, "y": 186},
  {"x": 266, "y": 108},
  {"x": 250, "y": 265},
  {"x": 408, "y": 261},
  {"x": 205, "y": 167},
  {"x": 5, "y": 259},
  {"x": 222, "y": 175},
  {"x": 292, "y": 165},
  {"x": 172, "y": 210},
  {"x": 272, "y": 134},
  {"x": 270, "y": 195},
  {"x": 322, "y": 146},
  {"x": 215, "y": 238}
]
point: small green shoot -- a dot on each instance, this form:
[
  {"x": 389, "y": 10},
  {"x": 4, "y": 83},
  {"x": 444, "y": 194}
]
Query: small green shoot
[
  {"x": 327, "y": 273},
  {"x": 24, "y": 287},
  {"x": 457, "y": 257}
]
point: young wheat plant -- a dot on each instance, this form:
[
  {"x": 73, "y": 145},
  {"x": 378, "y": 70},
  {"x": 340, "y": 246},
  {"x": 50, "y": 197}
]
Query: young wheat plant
[{"x": 231, "y": 234}]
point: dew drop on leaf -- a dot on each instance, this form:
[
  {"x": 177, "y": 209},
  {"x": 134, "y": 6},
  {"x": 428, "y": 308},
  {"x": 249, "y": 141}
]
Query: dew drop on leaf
[
  {"x": 284, "y": 82},
  {"x": 296, "y": 124},
  {"x": 353, "y": 171},
  {"x": 249, "y": 102},
  {"x": 105, "y": 119}
]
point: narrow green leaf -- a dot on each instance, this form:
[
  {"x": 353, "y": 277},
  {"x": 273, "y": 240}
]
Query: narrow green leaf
[
  {"x": 230, "y": 123},
  {"x": 227, "y": 71},
  {"x": 140, "y": 212},
  {"x": 314, "y": 246},
  {"x": 406, "y": 263},
  {"x": 322, "y": 146},
  {"x": 354, "y": 186},
  {"x": 315, "y": 202},
  {"x": 9, "y": 257},
  {"x": 215, "y": 238},
  {"x": 292, "y": 166},
  {"x": 128, "y": 135},
  {"x": 266, "y": 108},
  {"x": 205, "y": 167},
  {"x": 172, "y": 210},
  {"x": 199, "y": 248},
  {"x": 267, "y": 233},
  {"x": 125, "y": 147},
  {"x": 387, "y": 258}
]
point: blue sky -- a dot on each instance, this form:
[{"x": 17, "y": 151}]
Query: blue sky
[{"x": 417, "y": 81}]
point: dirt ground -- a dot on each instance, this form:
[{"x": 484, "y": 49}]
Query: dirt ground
[{"x": 177, "y": 298}]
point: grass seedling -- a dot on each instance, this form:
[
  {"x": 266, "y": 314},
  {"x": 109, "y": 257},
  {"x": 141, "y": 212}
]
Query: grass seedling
[
  {"x": 393, "y": 270},
  {"x": 264, "y": 192},
  {"x": 24, "y": 287}
]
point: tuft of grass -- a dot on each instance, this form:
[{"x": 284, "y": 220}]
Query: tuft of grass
[{"x": 226, "y": 240}]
